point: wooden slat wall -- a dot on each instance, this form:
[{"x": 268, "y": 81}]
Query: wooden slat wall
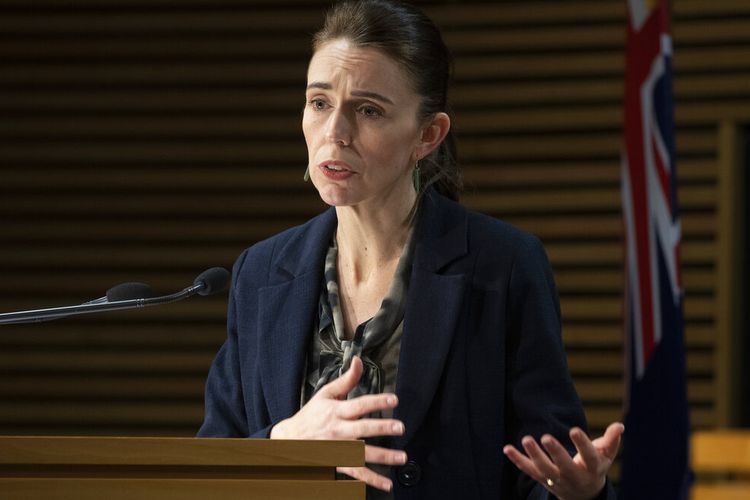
[{"x": 148, "y": 140}]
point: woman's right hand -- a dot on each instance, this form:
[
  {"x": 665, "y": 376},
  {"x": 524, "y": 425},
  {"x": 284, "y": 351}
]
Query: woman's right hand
[{"x": 329, "y": 415}]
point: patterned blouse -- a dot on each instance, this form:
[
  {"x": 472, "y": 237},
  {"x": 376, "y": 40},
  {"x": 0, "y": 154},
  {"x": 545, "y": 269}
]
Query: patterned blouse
[{"x": 377, "y": 342}]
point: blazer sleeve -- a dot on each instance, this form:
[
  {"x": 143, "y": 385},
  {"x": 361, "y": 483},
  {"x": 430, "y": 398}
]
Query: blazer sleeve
[
  {"x": 225, "y": 414},
  {"x": 542, "y": 397}
]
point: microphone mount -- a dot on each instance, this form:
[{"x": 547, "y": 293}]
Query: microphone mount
[{"x": 209, "y": 282}]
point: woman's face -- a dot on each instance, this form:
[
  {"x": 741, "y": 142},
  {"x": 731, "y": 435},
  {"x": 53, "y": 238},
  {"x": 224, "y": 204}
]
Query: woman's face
[{"x": 360, "y": 125}]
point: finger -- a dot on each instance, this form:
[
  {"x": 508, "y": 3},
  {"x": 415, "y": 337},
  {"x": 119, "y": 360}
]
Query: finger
[
  {"x": 369, "y": 476},
  {"x": 559, "y": 455},
  {"x": 339, "y": 388},
  {"x": 540, "y": 458},
  {"x": 386, "y": 456},
  {"x": 371, "y": 427},
  {"x": 358, "y": 407},
  {"x": 586, "y": 449},
  {"x": 609, "y": 443},
  {"x": 523, "y": 462}
]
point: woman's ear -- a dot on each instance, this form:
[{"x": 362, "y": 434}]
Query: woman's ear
[{"x": 433, "y": 134}]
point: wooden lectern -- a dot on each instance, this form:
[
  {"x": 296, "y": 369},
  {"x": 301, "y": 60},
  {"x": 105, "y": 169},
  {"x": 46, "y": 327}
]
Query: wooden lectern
[{"x": 119, "y": 468}]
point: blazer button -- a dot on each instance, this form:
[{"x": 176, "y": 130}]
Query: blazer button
[{"x": 410, "y": 473}]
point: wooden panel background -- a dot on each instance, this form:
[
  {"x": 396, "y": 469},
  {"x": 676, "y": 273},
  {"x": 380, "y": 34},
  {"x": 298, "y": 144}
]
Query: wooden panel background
[{"x": 148, "y": 140}]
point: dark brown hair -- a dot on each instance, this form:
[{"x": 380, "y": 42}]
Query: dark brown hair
[{"x": 406, "y": 35}]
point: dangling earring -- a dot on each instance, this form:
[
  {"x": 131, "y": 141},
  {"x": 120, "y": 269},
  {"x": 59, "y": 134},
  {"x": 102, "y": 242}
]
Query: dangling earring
[
  {"x": 415, "y": 177},
  {"x": 307, "y": 174}
]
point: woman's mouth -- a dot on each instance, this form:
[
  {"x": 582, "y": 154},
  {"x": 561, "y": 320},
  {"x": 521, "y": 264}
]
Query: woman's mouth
[{"x": 336, "y": 170}]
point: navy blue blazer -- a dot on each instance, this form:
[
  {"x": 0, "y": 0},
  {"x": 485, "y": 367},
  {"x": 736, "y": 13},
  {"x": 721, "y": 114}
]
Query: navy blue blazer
[{"x": 481, "y": 365}]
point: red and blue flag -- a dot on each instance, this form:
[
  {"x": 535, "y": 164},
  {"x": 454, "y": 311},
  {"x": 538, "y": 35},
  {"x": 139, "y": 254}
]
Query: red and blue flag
[{"x": 655, "y": 446}]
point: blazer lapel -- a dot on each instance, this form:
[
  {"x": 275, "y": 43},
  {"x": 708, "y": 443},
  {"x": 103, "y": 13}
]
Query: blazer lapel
[
  {"x": 432, "y": 310},
  {"x": 287, "y": 310}
]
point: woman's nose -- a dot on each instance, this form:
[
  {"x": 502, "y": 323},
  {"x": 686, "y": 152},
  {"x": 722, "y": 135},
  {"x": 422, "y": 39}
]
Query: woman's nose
[{"x": 338, "y": 128}]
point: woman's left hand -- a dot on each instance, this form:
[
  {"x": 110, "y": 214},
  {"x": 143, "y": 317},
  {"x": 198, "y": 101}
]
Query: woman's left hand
[{"x": 578, "y": 478}]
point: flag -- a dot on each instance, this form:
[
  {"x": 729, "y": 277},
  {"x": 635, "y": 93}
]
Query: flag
[{"x": 655, "y": 445}]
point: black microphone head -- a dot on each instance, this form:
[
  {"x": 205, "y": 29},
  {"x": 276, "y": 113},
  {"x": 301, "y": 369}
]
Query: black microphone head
[
  {"x": 212, "y": 281},
  {"x": 129, "y": 291}
]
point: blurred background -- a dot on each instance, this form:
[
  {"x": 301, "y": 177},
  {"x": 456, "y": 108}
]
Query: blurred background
[{"x": 151, "y": 139}]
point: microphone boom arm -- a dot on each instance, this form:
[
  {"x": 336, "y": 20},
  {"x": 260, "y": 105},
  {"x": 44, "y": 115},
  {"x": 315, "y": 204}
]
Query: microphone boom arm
[{"x": 39, "y": 315}]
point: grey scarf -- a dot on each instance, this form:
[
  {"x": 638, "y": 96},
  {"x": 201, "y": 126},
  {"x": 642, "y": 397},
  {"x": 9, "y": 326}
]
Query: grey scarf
[{"x": 333, "y": 354}]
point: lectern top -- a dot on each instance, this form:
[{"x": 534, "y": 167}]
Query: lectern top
[{"x": 160, "y": 451}]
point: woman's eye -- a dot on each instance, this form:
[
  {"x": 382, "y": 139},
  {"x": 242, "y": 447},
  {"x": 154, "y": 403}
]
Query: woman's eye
[
  {"x": 318, "y": 104},
  {"x": 370, "y": 111}
]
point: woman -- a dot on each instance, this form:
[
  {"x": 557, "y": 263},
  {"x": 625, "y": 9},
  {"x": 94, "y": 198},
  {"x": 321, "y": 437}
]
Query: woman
[{"x": 398, "y": 316}]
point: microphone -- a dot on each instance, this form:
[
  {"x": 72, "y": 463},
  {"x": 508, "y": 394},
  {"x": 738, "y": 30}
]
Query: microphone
[
  {"x": 118, "y": 293},
  {"x": 125, "y": 291},
  {"x": 212, "y": 281},
  {"x": 209, "y": 282}
]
